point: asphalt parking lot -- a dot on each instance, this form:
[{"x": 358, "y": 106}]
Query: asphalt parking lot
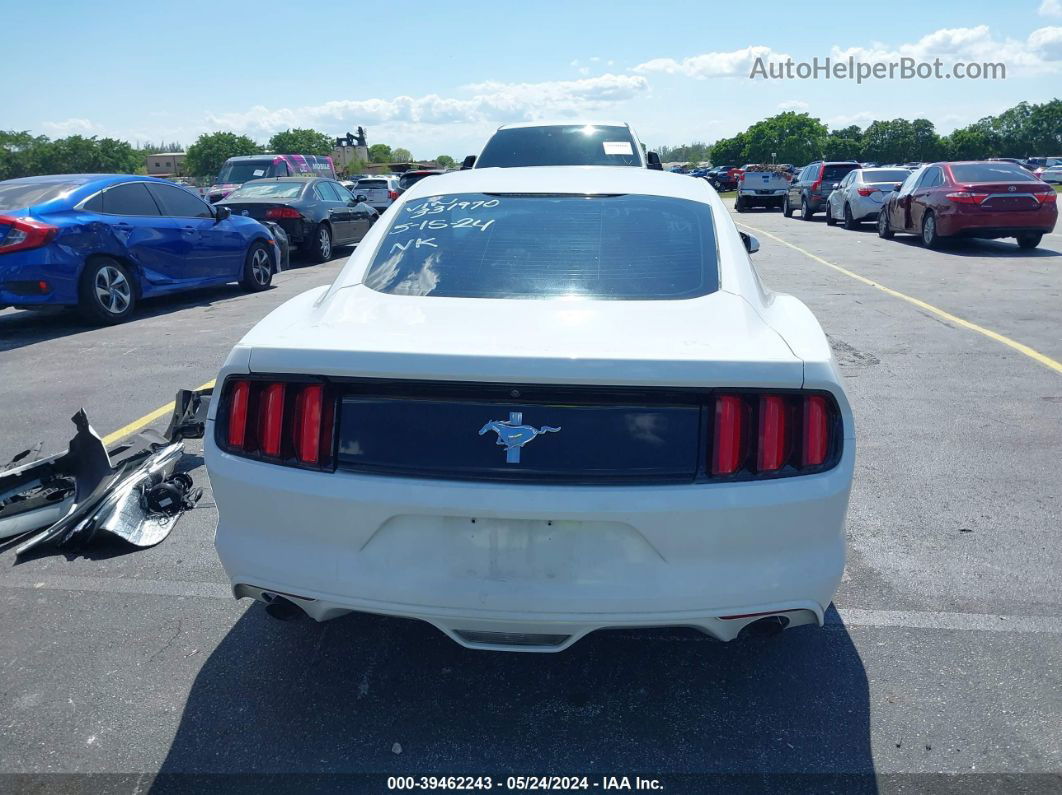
[{"x": 942, "y": 655}]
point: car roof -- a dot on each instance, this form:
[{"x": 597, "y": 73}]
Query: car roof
[
  {"x": 562, "y": 179},
  {"x": 569, "y": 123}
]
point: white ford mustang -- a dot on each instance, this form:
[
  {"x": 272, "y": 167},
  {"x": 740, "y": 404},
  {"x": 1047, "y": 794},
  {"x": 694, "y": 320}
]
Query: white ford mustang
[{"x": 537, "y": 402}]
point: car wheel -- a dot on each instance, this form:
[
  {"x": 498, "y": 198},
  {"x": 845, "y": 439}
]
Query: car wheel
[
  {"x": 830, "y": 220},
  {"x": 884, "y": 230},
  {"x": 107, "y": 293},
  {"x": 1030, "y": 241},
  {"x": 787, "y": 208},
  {"x": 930, "y": 237},
  {"x": 849, "y": 221},
  {"x": 320, "y": 245},
  {"x": 739, "y": 204},
  {"x": 805, "y": 211},
  {"x": 257, "y": 268}
]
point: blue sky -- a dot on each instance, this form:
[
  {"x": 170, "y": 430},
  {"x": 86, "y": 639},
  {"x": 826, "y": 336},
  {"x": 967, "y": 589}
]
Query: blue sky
[{"x": 437, "y": 77}]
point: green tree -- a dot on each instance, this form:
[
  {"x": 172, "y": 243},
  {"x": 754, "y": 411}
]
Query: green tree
[
  {"x": 354, "y": 167},
  {"x": 211, "y": 150},
  {"x": 728, "y": 151},
  {"x": 791, "y": 137},
  {"x": 301, "y": 142},
  {"x": 401, "y": 155},
  {"x": 77, "y": 154},
  {"x": 844, "y": 144},
  {"x": 380, "y": 153},
  {"x": 19, "y": 153},
  {"x": 925, "y": 143},
  {"x": 445, "y": 161}
]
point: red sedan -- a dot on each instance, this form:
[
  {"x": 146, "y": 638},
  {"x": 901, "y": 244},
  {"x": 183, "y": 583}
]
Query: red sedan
[{"x": 971, "y": 199}]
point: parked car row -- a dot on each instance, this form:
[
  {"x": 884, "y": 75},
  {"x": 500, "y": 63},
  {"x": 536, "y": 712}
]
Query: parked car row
[{"x": 935, "y": 201}]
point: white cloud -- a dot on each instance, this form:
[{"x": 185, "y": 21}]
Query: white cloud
[
  {"x": 489, "y": 102},
  {"x": 1040, "y": 52},
  {"x": 793, "y": 104},
  {"x": 736, "y": 63},
  {"x": 1050, "y": 8},
  {"x": 70, "y": 127}
]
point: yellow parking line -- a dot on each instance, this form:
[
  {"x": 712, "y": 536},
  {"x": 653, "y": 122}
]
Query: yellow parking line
[
  {"x": 147, "y": 419},
  {"x": 1035, "y": 355}
]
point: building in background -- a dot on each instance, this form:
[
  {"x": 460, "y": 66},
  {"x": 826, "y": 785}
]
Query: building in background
[
  {"x": 165, "y": 164},
  {"x": 349, "y": 149}
]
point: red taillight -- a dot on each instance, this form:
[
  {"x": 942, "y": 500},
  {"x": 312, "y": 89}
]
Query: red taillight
[
  {"x": 727, "y": 436},
  {"x": 966, "y": 197},
  {"x": 392, "y": 195},
  {"x": 866, "y": 191},
  {"x": 283, "y": 212},
  {"x": 818, "y": 181},
  {"x": 771, "y": 434},
  {"x": 771, "y": 444},
  {"x": 239, "y": 397},
  {"x": 307, "y": 430},
  {"x": 1046, "y": 198},
  {"x": 816, "y": 435},
  {"x": 25, "y": 233},
  {"x": 287, "y": 422},
  {"x": 271, "y": 419}
]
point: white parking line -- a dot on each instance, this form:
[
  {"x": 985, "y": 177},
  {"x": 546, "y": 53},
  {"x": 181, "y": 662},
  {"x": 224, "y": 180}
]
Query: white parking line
[{"x": 850, "y": 617}]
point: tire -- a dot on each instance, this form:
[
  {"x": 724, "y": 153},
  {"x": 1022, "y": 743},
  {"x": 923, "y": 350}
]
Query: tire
[
  {"x": 930, "y": 236},
  {"x": 830, "y": 220},
  {"x": 1030, "y": 240},
  {"x": 787, "y": 210},
  {"x": 805, "y": 211},
  {"x": 884, "y": 231},
  {"x": 258, "y": 268},
  {"x": 850, "y": 222},
  {"x": 319, "y": 247},
  {"x": 739, "y": 204},
  {"x": 107, "y": 292}
]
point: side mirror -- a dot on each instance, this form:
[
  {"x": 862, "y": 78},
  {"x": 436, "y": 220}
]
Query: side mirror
[
  {"x": 652, "y": 160},
  {"x": 752, "y": 245},
  {"x": 361, "y": 197},
  {"x": 468, "y": 162},
  {"x": 221, "y": 212},
  {"x": 835, "y": 186}
]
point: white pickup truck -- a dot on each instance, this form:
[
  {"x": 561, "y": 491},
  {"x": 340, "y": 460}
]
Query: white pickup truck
[{"x": 760, "y": 185}]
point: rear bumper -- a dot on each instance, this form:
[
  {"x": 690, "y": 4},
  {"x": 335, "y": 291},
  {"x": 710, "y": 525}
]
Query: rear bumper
[
  {"x": 53, "y": 264},
  {"x": 475, "y": 557},
  {"x": 977, "y": 223},
  {"x": 864, "y": 208}
]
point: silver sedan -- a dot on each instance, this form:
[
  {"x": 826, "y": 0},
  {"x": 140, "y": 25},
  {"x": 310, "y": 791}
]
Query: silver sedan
[{"x": 859, "y": 196}]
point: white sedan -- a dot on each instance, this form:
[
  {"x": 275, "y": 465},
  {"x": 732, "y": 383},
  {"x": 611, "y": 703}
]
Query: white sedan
[
  {"x": 538, "y": 402},
  {"x": 861, "y": 194}
]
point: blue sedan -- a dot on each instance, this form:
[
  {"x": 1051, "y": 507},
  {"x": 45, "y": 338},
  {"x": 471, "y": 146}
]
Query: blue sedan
[{"x": 101, "y": 242}]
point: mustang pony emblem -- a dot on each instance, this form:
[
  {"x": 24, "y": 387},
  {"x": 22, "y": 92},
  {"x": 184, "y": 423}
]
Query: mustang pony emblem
[{"x": 514, "y": 434}]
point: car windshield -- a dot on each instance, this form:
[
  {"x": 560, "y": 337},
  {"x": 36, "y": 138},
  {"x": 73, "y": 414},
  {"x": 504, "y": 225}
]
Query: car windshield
[
  {"x": 885, "y": 175},
  {"x": 560, "y": 145},
  {"x": 548, "y": 246},
  {"x": 16, "y": 194},
  {"x": 990, "y": 172},
  {"x": 245, "y": 170},
  {"x": 272, "y": 190}
]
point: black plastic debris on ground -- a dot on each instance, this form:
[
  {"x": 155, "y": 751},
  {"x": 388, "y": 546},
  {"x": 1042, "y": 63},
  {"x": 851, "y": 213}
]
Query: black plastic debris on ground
[{"x": 129, "y": 492}]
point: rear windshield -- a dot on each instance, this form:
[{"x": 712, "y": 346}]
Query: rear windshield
[
  {"x": 885, "y": 174},
  {"x": 990, "y": 172},
  {"x": 272, "y": 190},
  {"x": 14, "y": 194},
  {"x": 561, "y": 145},
  {"x": 372, "y": 183},
  {"x": 838, "y": 172},
  {"x": 247, "y": 170},
  {"x": 406, "y": 181},
  {"x": 475, "y": 245}
]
